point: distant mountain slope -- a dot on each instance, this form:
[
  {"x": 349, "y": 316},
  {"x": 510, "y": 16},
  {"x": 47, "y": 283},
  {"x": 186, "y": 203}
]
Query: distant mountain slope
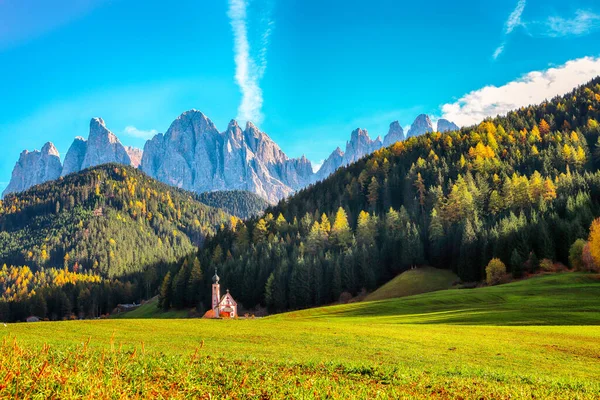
[
  {"x": 111, "y": 219},
  {"x": 242, "y": 204}
]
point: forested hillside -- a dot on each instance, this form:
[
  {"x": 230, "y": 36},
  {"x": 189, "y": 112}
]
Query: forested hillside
[
  {"x": 521, "y": 187},
  {"x": 59, "y": 293},
  {"x": 111, "y": 220},
  {"x": 241, "y": 203}
]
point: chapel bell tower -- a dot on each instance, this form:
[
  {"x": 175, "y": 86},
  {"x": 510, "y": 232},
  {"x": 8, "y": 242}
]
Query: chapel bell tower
[{"x": 216, "y": 294}]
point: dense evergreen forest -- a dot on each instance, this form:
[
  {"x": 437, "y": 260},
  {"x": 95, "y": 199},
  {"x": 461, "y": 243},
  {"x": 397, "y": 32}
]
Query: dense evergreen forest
[
  {"x": 111, "y": 220},
  {"x": 92, "y": 240},
  {"x": 240, "y": 203},
  {"x": 521, "y": 187},
  {"x": 59, "y": 293}
]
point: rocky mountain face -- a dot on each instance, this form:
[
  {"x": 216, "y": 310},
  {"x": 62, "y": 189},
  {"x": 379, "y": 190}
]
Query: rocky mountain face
[
  {"x": 395, "y": 134},
  {"x": 333, "y": 162},
  {"x": 444, "y": 125},
  {"x": 194, "y": 155},
  {"x": 360, "y": 145},
  {"x": 135, "y": 155},
  {"x": 34, "y": 168},
  {"x": 75, "y": 156},
  {"x": 101, "y": 147},
  {"x": 420, "y": 126}
]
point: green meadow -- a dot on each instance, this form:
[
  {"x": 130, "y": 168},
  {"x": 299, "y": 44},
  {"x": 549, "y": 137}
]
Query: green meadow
[{"x": 536, "y": 338}]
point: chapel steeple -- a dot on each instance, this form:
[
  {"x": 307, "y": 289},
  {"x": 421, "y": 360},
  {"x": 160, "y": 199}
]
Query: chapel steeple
[{"x": 216, "y": 277}]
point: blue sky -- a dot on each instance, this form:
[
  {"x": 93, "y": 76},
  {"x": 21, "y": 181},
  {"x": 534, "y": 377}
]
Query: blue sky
[{"x": 307, "y": 71}]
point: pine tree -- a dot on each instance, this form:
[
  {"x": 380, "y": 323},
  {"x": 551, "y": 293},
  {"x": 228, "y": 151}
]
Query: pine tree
[
  {"x": 516, "y": 264},
  {"x": 373, "y": 193},
  {"x": 164, "y": 298},
  {"x": 269, "y": 292},
  {"x": 436, "y": 236},
  {"x": 534, "y": 263},
  {"x": 194, "y": 285}
]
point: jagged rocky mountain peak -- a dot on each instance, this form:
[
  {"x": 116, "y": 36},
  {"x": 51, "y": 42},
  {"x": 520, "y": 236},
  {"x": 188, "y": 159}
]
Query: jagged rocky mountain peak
[
  {"x": 103, "y": 146},
  {"x": 421, "y": 125},
  {"x": 395, "y": 127},
  {"x": 33, "y": 168},
  {"x": 395, "y": 134},
  {"x": 198, "y": 120},
  {"x": 97, "y": 121},
  {"x": 50, "y": 149},
  {"x": 443, "y": 125},
  {"x": 193, "y": 154},
  {"x": 358, "y": 133}
]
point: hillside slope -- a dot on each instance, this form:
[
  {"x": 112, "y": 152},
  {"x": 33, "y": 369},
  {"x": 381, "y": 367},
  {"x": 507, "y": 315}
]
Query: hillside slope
[
  {"x": 415, "y": 281},
  {"x": 150, "y": 310},
  {"x": 241, "y": 203},
  {"x": 561, "y": 299},
  {"x": 111, "y": 219}
]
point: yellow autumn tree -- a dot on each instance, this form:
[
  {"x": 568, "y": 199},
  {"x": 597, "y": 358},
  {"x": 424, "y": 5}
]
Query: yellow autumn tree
[
  {"x": 549, "y": 190},
  {"x": 544, "y": 128},
  {"x": 340, "y": 232},
  {"x": 594, "y": 240}
]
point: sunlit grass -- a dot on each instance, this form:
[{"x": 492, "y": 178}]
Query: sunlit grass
[{"x": 429, "y": 349}]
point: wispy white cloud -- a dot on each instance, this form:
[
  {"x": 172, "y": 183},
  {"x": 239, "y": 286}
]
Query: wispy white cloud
[
  {"x": 250, "y": 66},
  {"x": 513, "y": 21},
  {"x": 139, "y": 133},
  {"x": 498, "y": 51},
  {"x": 582, "y": 23},
  {"x": 532, "y": 88}
]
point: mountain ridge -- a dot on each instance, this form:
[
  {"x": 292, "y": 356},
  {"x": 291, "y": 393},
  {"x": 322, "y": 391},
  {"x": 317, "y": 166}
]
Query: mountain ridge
[{"x": 194, "y": 155}]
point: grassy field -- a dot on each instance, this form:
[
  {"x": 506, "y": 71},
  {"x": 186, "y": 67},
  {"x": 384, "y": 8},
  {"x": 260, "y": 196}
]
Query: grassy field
[
  {"x": 447, "y": 344},
  {"x": 415, "y": 281},
  {"x": 560, "y": 299},
  {"x": 150, "y": 310}
]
